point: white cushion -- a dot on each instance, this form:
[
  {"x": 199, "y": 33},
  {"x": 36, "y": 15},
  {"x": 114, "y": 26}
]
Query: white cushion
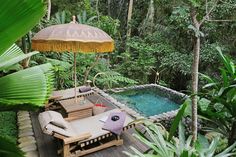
[
  {"x": 69, "y": 132},
  {"x": 53, "y": 122},
  {"x": 57, "y": 119}
]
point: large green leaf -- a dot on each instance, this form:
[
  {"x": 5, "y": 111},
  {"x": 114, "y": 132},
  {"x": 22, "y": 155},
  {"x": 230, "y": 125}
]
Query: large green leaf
[
  {"x": 17, "y": 18},
  {"x": 9, "y": 149},
  {"x": 177, "y": 120},
  {"x": 29, "y": 86},
  {"x": 229, "y": 65},
  {"x": 12, "y": 56}
]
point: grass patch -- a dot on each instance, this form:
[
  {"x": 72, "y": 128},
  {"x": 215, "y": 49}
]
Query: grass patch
[{"x": 8, "y": 127}]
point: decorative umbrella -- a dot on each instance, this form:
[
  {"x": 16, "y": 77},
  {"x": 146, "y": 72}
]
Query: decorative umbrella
[{"x": 73, "y": 37}]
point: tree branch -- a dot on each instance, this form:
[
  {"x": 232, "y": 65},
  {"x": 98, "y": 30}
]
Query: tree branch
[
  {"x": 221, "y": 20},
  {"x": 206, "y": 17},
  {"x": 91, "y": 67},
  {"x": 193, "y": 14}
]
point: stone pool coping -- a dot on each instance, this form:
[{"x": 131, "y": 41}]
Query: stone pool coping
[{"x": 135, "y": 114}]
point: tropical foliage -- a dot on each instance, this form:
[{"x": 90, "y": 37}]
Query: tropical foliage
[
  {"x": 29, "y": 87},
  {"x": 159, "y": 47},
  {"x": 9, "y": 149},
  {"x": 156, "y": 138},
  {"x": 218, "y": 103},
  {"x": 29, "y": 9}
]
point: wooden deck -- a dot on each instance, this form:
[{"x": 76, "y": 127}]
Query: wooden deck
[{"x": 47, "y": 145}]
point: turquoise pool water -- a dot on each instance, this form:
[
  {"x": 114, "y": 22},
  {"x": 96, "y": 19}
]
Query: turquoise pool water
[{"x": 146, "y": 102}]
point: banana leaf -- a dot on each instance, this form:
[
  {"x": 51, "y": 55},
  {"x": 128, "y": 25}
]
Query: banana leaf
[
  {"x": 17, "y": 18},
  {"x": 26, "y": 88},
  {"x": 12, "y": 56},
  {"x": 9, "y": 148}
]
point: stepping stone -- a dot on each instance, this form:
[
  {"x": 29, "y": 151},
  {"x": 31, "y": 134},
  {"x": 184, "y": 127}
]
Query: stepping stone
[
  {"x": 21, "y": 112},
  {"x": 23, "y": 115},
  {"x": 23, "y": 118},
  {"x": 24, "y": 144},
  {"x": 32, "y": 154},
  {"x": 26, "y": 139},
  {"x": 27, "y": 133},
  {"x": 24, "y": 122},
  {"x": 29, "y": 148},
  {"x": 25, "y": 130},
  {"x": 25, "y": 126}
]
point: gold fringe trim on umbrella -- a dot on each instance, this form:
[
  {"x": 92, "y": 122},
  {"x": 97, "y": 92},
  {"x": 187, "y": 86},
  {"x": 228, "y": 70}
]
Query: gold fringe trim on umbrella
[{"x": 72, "y": 46}]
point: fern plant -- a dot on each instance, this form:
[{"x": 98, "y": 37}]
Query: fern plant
[
  {"x": 84, "y": 19},
  {"x": 111, "y": 78}
]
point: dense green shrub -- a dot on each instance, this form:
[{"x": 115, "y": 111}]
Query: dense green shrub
[{"x": 8, "y": 125}]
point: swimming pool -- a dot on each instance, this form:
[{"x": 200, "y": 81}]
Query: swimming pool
[{"x": 149, "y": 101}]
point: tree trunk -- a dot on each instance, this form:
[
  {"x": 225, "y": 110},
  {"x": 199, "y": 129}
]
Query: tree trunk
[
  {"x": 90, "y": 68},
  {"x": 129, "y": 19},
  {"x": 25, "y": 62},
  {"x": 49, "y": 10},
  {"x": 232, "y": 137},
  {"x": 195, "y": 86},
  {"x": 97, "y": 10},
  {"x": 109, "y": 7},
  {"x": 148, "y": 23},
  {"x": 195, "y": 65}
]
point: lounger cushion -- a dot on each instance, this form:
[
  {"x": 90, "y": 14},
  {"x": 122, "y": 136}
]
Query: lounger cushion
[
  {"x": 57, "y": 119},
  {"x": 69, "y": 132},
  {"x": 53, "y": 122},
  {"x": 83, "y": 89},
  {"x": 44, "y": 119},
  {"x": 93, "y": 124}
]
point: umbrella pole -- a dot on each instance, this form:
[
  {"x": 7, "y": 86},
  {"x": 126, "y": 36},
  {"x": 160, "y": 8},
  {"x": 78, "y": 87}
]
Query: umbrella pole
[{"x": 75, "y": 76}]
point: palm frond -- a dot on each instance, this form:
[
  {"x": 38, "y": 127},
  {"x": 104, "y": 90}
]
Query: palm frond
[
  {"x": 18, "y": 17},
  {"x": 12, "y": 56},
  {"x": 9, "y": 148},
  {"x": 31, "y": 86}
]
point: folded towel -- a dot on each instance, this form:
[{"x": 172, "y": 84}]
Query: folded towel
[
  {"x": 84, "y": 89},
  {"x": 115, "y": 122}
]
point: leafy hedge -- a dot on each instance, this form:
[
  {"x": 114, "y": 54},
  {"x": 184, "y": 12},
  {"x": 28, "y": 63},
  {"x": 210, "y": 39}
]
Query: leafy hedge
[{"x": 8, "y": 125}]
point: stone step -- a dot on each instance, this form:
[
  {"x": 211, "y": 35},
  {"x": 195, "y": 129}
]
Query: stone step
[
  {"x": 26, "y": 139},
  {"x": 24, "y": 144},
  {"x": 29, "y": 148},
  {"x": 32, "y": 154}
]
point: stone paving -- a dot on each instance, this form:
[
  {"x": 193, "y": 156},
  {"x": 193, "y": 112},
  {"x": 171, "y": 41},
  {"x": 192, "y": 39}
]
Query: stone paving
[{"x": 26, "y": 139}]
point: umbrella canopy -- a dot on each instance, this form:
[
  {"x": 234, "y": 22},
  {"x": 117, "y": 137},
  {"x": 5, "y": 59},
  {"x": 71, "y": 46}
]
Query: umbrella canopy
[{"x": 73, "y": 37}]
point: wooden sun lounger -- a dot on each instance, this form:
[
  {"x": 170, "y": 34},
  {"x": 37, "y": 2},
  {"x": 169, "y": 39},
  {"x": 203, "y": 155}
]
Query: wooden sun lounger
[
  {"x": 69, "y": 93},
  {"x": 89, "y": 137},
  {"x": 63, "y": 95}
]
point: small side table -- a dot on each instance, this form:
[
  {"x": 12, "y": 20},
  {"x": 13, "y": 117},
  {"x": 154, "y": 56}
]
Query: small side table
[{"x": 76, "y": 110}]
